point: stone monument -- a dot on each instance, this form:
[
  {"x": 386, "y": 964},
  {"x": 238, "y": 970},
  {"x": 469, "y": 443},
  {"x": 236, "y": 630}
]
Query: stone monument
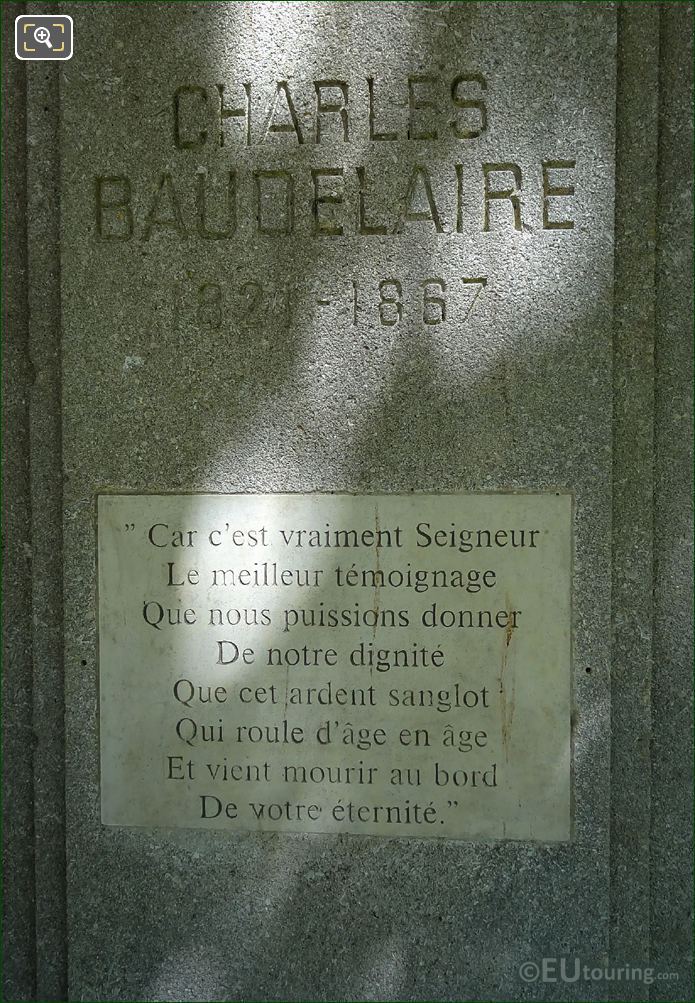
[{"x": 348, "y": 510}]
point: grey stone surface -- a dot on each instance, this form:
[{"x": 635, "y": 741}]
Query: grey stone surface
[
  {"x": 17, "y": 745},
  {"x": 525, "y": 399},
  {"x": 550, "y": 383},
  {"x": 633, "y": 482},
  {"x": 45, "y": 445},
  {"x": 672, "y": 737},
  {"x": 33, "y": 681}
]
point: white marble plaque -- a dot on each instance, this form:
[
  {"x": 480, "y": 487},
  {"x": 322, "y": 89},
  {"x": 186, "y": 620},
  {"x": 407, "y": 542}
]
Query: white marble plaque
[{"x": 394, "y": 665}]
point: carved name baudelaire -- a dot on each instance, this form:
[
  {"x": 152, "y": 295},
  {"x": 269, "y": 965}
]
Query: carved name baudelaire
[{"x": 219, "y": 199}]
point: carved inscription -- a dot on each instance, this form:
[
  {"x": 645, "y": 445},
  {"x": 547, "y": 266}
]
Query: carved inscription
[
  {"x": 330, "y": 111},
  {"x": 213, "y": 305},
  {"x": 326, "y": 202},
  {"x": 252, "y": 119},
  {"x": 392, "y": 665}
]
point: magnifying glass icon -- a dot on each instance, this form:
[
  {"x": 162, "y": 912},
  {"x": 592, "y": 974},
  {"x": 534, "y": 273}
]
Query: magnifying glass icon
[{"x": 43, "y": 36}]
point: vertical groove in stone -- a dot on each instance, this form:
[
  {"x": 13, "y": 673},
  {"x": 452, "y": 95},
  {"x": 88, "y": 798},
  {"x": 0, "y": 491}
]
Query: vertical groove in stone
[
  {"x": 633, "y": 450},
  {"x": 19, "y": 933},
  {"x": 671, "y": 761},
  {"x": 43, "y": 235}
]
